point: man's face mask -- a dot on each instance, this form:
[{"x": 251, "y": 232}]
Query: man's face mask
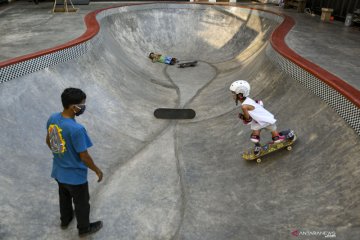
[{"x": 82, "y": 108}]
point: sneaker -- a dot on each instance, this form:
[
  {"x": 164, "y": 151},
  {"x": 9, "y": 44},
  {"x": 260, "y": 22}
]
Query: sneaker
[
  {"x": 93, "y": 228},
  {"x": 291, "y": 135},
  {"x": 66, "y": 225},
  {"x": 278, "y": 139},
  {"x": 257, "y": 150}
]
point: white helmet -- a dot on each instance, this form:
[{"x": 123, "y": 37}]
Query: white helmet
[{"x": 240, "y": 86}]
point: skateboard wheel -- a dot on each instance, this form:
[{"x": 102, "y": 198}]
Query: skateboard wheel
[
  {"x": 289, "y": 148},
  {"x": 258, "y": 160}
]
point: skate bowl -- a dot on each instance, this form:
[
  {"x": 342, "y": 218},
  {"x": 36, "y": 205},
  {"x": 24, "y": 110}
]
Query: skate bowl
[{"x": 183, "y": 179}]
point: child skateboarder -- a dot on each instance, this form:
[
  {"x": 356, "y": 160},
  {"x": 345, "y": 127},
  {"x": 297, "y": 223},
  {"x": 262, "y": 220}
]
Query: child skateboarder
[
  {"x": 254, "y": 114},
  {"x": 162, "y": 59}
]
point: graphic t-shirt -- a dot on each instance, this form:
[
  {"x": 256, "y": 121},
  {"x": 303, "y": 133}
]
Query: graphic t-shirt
[{"x": 67, "y": 139}]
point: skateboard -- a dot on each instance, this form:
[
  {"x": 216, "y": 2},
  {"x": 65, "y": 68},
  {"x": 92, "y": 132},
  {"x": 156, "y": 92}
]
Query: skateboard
[
  {"x": 271, "y": 146},
  {"x": 174, "y": 113},
  {"x": 187, "y": 64}
]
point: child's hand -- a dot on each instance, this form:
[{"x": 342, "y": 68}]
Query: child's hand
[{"x": 245, "y": 121}]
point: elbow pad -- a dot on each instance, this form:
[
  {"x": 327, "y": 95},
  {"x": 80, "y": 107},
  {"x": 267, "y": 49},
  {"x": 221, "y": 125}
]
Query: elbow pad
[
  {"x": 245, "y": 121},
  {"x": 259, "y": 102}
]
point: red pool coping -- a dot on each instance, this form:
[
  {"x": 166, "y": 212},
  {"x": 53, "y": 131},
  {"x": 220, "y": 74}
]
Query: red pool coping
[{"x": 277, "y": 41}]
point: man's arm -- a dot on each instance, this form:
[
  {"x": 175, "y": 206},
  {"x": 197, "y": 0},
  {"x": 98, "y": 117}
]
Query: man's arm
[
  {"x": 86, "y": 158},
  {"x": 48, "y": 140}
]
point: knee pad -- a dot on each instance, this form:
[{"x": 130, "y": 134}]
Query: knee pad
[{"x": 255, "y": 138}]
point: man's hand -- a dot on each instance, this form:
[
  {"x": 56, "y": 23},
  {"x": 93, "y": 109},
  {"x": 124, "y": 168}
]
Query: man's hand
[
  {"x": 86, "y": 158},
  {"x": 99, "y": 173}
]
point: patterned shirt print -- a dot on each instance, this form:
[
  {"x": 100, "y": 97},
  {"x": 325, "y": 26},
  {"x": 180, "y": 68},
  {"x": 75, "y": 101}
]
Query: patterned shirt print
[{"x": 57, "y": 143}]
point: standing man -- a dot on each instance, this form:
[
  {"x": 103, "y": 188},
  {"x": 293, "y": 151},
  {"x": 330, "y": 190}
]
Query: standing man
[{"x": 68, "y": 141}]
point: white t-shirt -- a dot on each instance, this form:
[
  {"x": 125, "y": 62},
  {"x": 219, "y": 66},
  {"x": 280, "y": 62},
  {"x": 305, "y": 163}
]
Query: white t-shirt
[{"x": 260, "y": 115}]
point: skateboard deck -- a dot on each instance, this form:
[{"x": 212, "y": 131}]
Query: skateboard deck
[
  {"x": 271, "y": 147},
  {"x": 174, "y": 113},
  {"x": 187, "y": 64}
]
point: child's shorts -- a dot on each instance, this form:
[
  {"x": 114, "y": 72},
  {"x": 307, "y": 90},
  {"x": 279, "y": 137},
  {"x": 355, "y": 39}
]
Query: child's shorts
[
  {"x": 255, "y": 126},
  {"x": 168, "y": 60}
]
